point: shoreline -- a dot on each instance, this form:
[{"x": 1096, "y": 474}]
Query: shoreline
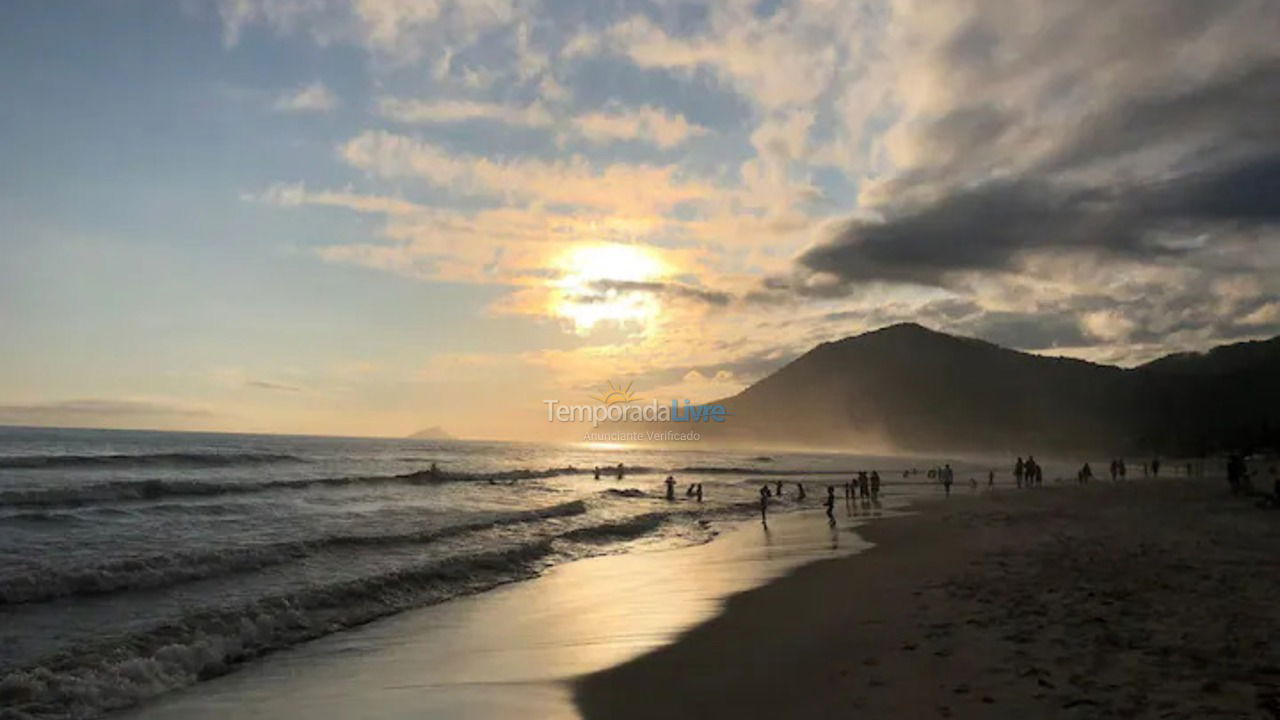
[
  {"x": 1147, "y": 598},
  {"x": 514, "y": 651}
]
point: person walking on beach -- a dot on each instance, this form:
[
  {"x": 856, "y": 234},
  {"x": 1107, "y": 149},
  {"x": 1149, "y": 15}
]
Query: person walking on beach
[
  {"x": 778, "y": 491},
  {"x": 1155, "y": 467},
  {"x": 699, "y": 492},
  {"x": 864, "y": 485},
  {"x": 1115, "y": 469},
  {"x": 875, "y": 485},
  {"x": 671, "y": 487},
  {"x": 800, "y": 491},
  {"x": 764, "y": 504},
  {"x": 947, "y": 478},
  {"x": 1018, "y": 468},
  {"x": 831, "y": 503},
  {"x": 1086, "y": 473}
]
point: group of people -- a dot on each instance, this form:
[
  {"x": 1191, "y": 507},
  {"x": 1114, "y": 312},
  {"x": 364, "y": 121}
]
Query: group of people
[
  {"x": 865, "y": 485},
  {"x": 693, "y": 491},
  {"x": 620, "y": 471},
  {"x": 1028, "y": 473}
]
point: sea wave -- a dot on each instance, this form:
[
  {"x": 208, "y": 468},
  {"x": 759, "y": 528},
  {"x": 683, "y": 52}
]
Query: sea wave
[
  {"x": 153, "y": 489},
  {"x": 90, "y": 680},
  {"x": 171, "y": 569},
  {"x": 181, "y": 460}
]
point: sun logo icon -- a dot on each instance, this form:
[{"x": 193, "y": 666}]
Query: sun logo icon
[{"x": 616, "y": 395}]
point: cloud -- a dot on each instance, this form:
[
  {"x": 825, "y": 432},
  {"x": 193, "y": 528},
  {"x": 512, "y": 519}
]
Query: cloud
[
  {"x": 96, "y": 410},
  {"x": 297, "y": 195},
  {"x": 681, "y": 291},
  {"x": 648, "y": 124},
  {"x": 1060, "y": 176},
  {"x": 268, "y": 385},
  {"x": 422, "y": 112},
  {"x": 308, "y": 98},
  {"x": 629, "y": 189},
  {"x": 986, "y": 227}
]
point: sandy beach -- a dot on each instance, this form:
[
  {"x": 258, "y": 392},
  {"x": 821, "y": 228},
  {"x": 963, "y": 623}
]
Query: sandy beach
[{"x": 1146, "y": 599}]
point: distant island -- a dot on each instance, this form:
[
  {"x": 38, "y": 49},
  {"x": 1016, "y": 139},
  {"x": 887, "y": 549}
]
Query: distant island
[
  {"x": 907, "y": 387},
  {"x": 431, "y": 433}
]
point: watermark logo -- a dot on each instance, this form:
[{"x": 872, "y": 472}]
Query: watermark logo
[
  {"x": 619, "y": 404},
  {"x": 616, "y": 395}
]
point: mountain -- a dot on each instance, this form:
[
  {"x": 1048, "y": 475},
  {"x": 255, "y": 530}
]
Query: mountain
[
  {"x": 431, "y": 433},
  {"x": 906, "y": 387}
]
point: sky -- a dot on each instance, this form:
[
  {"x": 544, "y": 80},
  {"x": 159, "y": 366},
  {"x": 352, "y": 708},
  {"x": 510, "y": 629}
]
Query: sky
[{"x": 367, "y": 217}]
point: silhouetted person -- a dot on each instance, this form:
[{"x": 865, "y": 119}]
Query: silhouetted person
[
  {"x": 620, "y": 472},
  {"x": 699, "y": 492},
  {"x": 671, "y": 487},
  {"x": 764, "y": 504},
  {"x": 947, "y": 478},
  {"x": 875, "y": 484},
  {"x": 1235, "y": 473},
  {"x": 1086, "y": 473},
  {"x": 1155, "y": 467},
  {"x": 800, "y": 491},
  {"x": 1123, "y": 468},
  {"x": 778, "y": 491},
  {"x": 597, "y": 472},
  {"x": 830, "y": 502},
  {"x": 991, "y": 478},
  {"x": 1115, "y": 470},
  {"x": 864, "y": 485},
  {"x": 1018, "y": 469},
  {"x": 688, "y": 492}
]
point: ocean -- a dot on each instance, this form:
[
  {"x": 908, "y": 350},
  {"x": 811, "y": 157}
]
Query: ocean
[{"x": 134, "y": 562}]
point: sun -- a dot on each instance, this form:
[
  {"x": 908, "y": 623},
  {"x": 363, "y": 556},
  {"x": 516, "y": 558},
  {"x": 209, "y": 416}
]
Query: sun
[{"x": 607, "y": 283}]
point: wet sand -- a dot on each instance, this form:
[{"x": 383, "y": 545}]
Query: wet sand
[{"x": 1145, "y": 599}]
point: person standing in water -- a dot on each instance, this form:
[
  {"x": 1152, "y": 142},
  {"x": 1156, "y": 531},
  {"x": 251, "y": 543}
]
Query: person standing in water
[
  {"x": 1155, "y": 467},
  {"x": 800, "y": 491},
  {"x": 620, "y": 471},
  {"x": 671, "y": 487},
  {"x": 875, "y": 485},
  {"x": 699, "y": 492},
  {"x": 1018, "y": 469},
  {"x": 597, "y": 472},
  {"x": 778, "y": 491},
  {"x": 947, "y": 478},
  {"x": 764, "y": 504},
  {"x": 991, "y": 478},
  {"x": 830, "y": 503}
]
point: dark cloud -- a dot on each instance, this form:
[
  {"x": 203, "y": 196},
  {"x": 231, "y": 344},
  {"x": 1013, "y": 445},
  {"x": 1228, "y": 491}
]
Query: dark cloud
[
  {"x": 984, "y": 228},
  {"x": 675, "y": 290},
  {"x": 1239, "y": 112},
  {"x": 1028, "y": 331}
]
